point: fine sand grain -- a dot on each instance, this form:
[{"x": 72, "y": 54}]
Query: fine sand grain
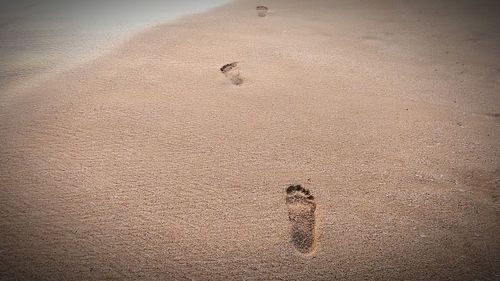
[{"x": 151, "y": 163}]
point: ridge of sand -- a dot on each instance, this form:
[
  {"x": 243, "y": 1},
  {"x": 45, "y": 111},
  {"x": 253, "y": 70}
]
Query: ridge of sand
[{"x": 150, "y": 164}]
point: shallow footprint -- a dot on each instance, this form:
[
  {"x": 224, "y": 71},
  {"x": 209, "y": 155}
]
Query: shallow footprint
[
  {"x": 301, "y": 212},
  {"x": 232, "y": 72},
  {"x": 262, "y": 11}
]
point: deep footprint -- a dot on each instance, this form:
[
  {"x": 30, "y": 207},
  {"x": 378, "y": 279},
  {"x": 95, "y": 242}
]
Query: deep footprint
[
  {"x": 232, "y": 72},
  {"x": 301, "y": 212},
  {"x": 262, "y": 11}
]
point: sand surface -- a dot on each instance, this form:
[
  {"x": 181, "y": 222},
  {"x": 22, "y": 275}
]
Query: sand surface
[{"x": 149, "y": 163}]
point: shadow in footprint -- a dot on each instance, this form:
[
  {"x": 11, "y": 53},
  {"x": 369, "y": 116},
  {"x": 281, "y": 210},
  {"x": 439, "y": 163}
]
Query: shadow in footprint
[
  {"x": 302, "y": 215},
  {"x": 232, "y": 72},
  {"x": 495, "y": 116},
  {"x": 262, "y": 11}
]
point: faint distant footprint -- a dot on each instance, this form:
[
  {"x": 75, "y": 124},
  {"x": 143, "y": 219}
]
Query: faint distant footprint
[
  {"x": 301, "y": 212},
  {"x": 232, "y": 72},
  {"x": 262, "y": 11}
]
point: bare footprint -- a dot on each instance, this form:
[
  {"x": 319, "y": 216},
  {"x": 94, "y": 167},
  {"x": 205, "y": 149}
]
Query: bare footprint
[
  {"x": 262, "y": 11},
  {"x": 301, "y": 212},
  {"x": 232, "y": 72}
]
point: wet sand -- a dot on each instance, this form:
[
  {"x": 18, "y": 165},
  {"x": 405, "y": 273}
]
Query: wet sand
[
  {"x": 361, "y": 142},
  {"x": 40, "y": 38}
]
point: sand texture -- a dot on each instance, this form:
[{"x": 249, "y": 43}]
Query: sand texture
[{"x": 151, "y": 163}]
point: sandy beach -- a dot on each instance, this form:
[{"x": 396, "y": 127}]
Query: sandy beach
[{"x": 312, "y": 140}]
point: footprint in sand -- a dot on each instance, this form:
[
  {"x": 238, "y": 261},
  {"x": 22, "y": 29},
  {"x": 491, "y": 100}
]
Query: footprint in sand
[
  {"x": 232, "y": 72},
  {"x": 301, "y": 212},
  {"x": 262, "y": 11}
]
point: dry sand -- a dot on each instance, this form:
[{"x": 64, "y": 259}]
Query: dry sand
[{"x": 148, "y": 163}]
